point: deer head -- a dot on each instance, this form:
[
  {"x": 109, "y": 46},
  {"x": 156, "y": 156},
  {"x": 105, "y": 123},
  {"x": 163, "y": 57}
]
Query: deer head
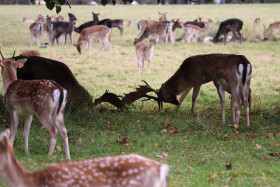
[
  {"x": 165, "y": 95},
  {"x": 72, "y": 17}
]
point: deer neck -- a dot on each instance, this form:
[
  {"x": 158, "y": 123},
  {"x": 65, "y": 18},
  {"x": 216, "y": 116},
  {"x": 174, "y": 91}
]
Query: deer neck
[
  {"x": 14, "y": 175},
  {"x": 8, "y": 76}
]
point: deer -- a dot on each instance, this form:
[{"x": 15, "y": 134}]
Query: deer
[
  {"x": 194, "y": 32},
  {"x": 36, "y": 30},
  {"x": 229, "y": 72},
  {"x": 159, "y": 28},
  {"x": 26, "y": 20},
  {"x": 30, "y": 53},
  {"x": 145, "y": 52},
  {"x": 106, "y": 22},
  {"x": 47, "y": 27},
  {"x": 100, "y": 32},
  {"x": 120, "y": 170},
  {"x": 271, "y": 27},
  {"x": 257, "y": 23},
  {"x": 162, "y": 16},
  {"x": 58, "y": 18},
  {"x": 118, "y": 23},
  {"x": 23, "y": 98},
  {"x": 234, "y": 25},
  {"x": 63, "y": 27}
]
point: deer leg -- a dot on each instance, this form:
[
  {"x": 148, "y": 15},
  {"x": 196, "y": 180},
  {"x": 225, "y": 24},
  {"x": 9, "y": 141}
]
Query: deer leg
[
  {"x": 184, "y": 95},
  {"x": 102, "y": 45},
  {"x": 232, "y": 106},
  {"x": 108, "y": 45},
  {"x": 221, "y": 93},
  {"x": 14, "y": 125},
  {"x": 140, "y": 65},
  {"x": 65, "y": 41},
  {"x": 59, "y": 122},
  {"x": 247, "y": 97},
  {"x": 194, "y": 96},
  {"x": 239, "y": 34},
  {"x": 149, "y": 61},
  {"x": 234, "y": 35},
  {"x": 239, "y": 106},
  {"x": 225, "y": 38},
  {"x": 89, "y": 43},
  {"x": 70, "y": 36},
  {"x": 31, "y": 40},
  {"x": 49, "y": 125},
  {"x": 27, "y": 124}
]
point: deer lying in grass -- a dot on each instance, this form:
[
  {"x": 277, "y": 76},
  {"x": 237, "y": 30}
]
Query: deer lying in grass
[
  {"x": 118, "y": 23},
  {"x": 145, "y": 52},
  {"x": 26, "y": 20},
  {"x": 257, "y": 23},
  {"x": 122, "y": 170},
  {"x": 23, "y": 98},
  {"x": 63, "y": 27},
  {"x": 229, "y": 72},
  {"x": 36, "y": 30},
  {"x": 30, "y": 53},
  {"x": 100, "y": 32},
  {"x": 194, "y": 32},
  {"x": 233, "y": 25}
]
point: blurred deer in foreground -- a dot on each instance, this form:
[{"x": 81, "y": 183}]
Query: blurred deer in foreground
[
  {"x": 24, "y": 98},
  {"x": 100, "y": 32},
  {"x": 145, "y": 52},
  {"x": 123, "y": 170}
]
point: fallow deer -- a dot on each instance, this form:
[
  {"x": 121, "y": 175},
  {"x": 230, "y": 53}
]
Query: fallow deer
[
  {"x": 30, "y": 53},
  {"x": 26, "y": 20},
  {"x": 162, "y": 16},
  {"x": 145, "y": 52},
  {"x": 271, "y": 27},
  {"x": 58, "y": 18},
  {"x": 100, "y": 32},
  {"x": 233, "y": 25},
  {"x": 23, "y": 98},
  {"x": 257, "y": 23},
  {"x": 151, "y": 27},
  {"x": 106, "y": 22},
  {"x": 122, "y": 170},
  {"x": 63, "y": 27},
  {"x": 194, "y": 32},
  {"x": 118, "y": 23},
  {"x": 47, "y": 27},
  {"x": 229, "y": 72},
  {"x": 36, "y": 30}
]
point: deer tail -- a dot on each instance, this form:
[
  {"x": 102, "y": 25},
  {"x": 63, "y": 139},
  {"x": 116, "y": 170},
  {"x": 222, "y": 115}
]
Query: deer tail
[{"x": 244, "y": 68}]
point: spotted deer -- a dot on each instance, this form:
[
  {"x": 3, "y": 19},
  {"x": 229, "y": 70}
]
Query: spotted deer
[
  {"x": 23, "y": 98},
  {"x": 229, "y": 72},
  {"x": 100, "y": 32},
  {"x": 26, "y": 20},
  {"x": 271, "y": 27},
  {"x": 257, "y": 23},
  {"x": 36, "y": 30},
  {"x": 145, "y": 52},
  {"x": 194, "y": 32},
  {"x": 122, "y": 170}
]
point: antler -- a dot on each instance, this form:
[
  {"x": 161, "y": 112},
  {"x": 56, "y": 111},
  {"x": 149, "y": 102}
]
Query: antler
[
  {"x": 110, "y": 98},
  {"x": 14, "y": 53},
  {"x": 2, "y": 55}
]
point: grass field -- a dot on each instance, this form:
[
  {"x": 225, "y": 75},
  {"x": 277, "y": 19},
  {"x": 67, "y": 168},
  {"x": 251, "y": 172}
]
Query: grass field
[{"x": 203, "y": 152}]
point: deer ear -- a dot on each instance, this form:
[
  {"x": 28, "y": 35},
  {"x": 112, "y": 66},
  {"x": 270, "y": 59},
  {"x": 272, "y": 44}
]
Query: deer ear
[
  {"x": 21, "y": 62},
  {"x": 1, "y": 64}
]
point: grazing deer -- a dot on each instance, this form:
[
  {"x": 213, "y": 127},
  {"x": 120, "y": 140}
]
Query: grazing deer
[
  {"x": 26, "y": 20},
  {"x": 257, "y": 23},
  {"x": 63, "y": 27},
  {"x": 23, "y": 98},
  {"x": 122, "y": 170},
  {"x": 106, "y": 22},
  {"x": 30, "y": 53},
  {"x": 118, "y": 23},
  {"x": 271, "y": 27},
  {"x": 100, "y": 32},
  {"x": 159, "y": 28},
  {"x": 233, "y": 25},
  {"x": 36, "y": 29},
  {"x": 145, "y": 52},
  {"x": 194, "y": 32},
  {"x": 162, "y": 16},
  {"x": 229, "y": 72}
]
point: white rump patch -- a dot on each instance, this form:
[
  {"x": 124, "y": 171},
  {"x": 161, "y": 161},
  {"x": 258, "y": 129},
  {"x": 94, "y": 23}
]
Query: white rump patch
[
  {"x": 240, "y": 69},
  {"x": 248, "y": 69}
]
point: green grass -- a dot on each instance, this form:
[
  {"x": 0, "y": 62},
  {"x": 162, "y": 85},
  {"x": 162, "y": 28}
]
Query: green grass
[{"x": 198, "y": 155}]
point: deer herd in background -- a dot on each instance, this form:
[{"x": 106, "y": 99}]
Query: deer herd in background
[{"x": 47, "y": 99}]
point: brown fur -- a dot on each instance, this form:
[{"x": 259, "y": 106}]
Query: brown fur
[{"x": 30, "y": 53}]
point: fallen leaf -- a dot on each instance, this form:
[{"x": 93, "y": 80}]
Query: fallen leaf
[
  {"x": 156, "y": 145},
  {"x": 163, "y": 156},
  {"x": 269, "y": 135},
  {"x": 258, "y": 146},
  {"x": 229, "y": 181},
  {"x": 92, "y": 140},
  {"x": 228, "y": 166},
  {"x": 108, "y": 123},
  {"x": 163, "y": 131},
  {"x": 124, "y": 140},
  {"x": 71, "y": 140},
  {"x": 226, "y": 137},
  {"x": 80, "y": 142},
  {"x": 58, "y": 148},
  {"x": 173, "y": 130}
]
